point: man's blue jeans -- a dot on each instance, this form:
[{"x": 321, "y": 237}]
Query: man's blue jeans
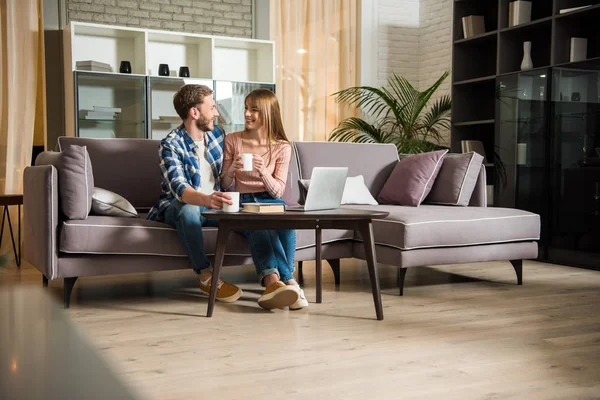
[
  {"x": 272, "y": 251},
  {"x": 188, "y": 221}
]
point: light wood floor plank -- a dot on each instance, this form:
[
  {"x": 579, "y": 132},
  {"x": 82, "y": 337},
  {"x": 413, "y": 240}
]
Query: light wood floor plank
[{"x": 459, "y": 332}]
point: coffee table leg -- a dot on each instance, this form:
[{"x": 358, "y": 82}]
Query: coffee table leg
[
  {"x": 319, "y": 265},
  {"x": 222, "y": 236},
  {"x": 366, "y": 231}
]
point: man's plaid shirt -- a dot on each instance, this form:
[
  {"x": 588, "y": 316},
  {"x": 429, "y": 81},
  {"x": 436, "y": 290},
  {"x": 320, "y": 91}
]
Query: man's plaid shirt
[{"x": 180, "y": 166}]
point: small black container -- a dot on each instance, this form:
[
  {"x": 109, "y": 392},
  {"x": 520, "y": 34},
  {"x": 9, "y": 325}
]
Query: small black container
[
  {"x": 184, "y": 72},
  {"x": 125, "y": 67},
  {"x": 163, "y": 70}
]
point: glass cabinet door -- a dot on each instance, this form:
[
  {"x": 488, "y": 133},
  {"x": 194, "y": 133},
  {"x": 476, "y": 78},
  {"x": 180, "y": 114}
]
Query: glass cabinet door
[
  {"x": 575, "y": 229},
  {"x": 163, "y": 117},
  {"x": 110, "y": 105},
  {"x": 230, "y": 98},
  {"x": 522, "y": 142}
]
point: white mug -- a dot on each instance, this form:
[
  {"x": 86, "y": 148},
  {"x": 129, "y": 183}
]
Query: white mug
[
  {"x": 235, "y": 199},
  {"x": 247, "y": 160}
]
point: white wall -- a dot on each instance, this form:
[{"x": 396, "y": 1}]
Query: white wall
[
  {"x": 435, "y": 46},
  {"x": 411, "y": 38}
]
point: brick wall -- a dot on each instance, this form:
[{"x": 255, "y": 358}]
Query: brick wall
[
  {"x": 414, "y": 40},
  {"x": 214, "y": 17},
  {"x": 397, "y": 39},
  {"x": 435, "y": 46}
]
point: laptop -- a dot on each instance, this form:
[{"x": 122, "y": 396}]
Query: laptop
[{"x": 325, "y": 189}]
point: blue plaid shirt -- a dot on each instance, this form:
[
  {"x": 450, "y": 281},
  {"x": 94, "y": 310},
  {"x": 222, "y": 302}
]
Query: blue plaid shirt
[{"x": 180, "y": 167}]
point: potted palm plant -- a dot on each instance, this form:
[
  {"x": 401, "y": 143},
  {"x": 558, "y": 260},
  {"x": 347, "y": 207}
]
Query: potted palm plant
[{"x": 399, "y": 116}]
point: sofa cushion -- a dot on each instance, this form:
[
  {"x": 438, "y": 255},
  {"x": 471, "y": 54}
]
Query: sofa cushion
[
  {"x": 355, "y": 191},
  {"x": 456, "y": 180},
  {"x": 412, "y": 179},
  {"x": 134, "y": 236},
  {"x": 107, "y": 203},
  {"x": 128, "y": 167},
  {"x": 409, "y": 228},
  {"x": 373, "y": 161},
  {"x": 75, "y": 179},
  {"x": 140, "y": 236}
]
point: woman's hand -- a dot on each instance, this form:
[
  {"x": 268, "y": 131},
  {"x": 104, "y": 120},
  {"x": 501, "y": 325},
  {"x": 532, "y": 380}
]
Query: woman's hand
[
  {"x": 236, "y": 166},
  {"x": 258, "y": 164}
]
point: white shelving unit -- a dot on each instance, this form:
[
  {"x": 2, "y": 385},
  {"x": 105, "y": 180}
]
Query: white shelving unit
[{"x": 209, "y": 59}]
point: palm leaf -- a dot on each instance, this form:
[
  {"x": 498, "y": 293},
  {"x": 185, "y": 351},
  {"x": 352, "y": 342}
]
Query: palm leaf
[
  {"x": 372, "y": 100},
  {"x": 399, "y": 114},
  {"x": 357, "y": 130},
  {"x": 438, "y": 116}
]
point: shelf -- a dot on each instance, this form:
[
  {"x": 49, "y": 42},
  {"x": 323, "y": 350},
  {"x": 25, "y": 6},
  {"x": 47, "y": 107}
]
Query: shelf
[
  {"x": 110, "y": 121},
  {"x": 480, "y": 122},
  {"x": 591, "y": 62},
  {"x": 594, "y": 9},
  {"x": 528, "y": 25},
  {"x": 475, "y": 80},
  {"x": 110, "y": 74},
  {"x": 479, "y": 38},
  {"x": 533, "y": 70}
]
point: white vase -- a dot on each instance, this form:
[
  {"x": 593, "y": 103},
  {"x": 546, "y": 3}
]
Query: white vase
[{"x": 526, "y": 64}]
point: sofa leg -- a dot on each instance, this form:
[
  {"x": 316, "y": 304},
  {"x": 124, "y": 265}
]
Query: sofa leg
[
  {"x": 335, "y": 266},
  {"x": 69, "y": 283},
  {"x": 518, "y": 266},
  {"x": 44, "y": 281},
  {"x": 401, "y": 276},
  {"x": 300, "y": 276}
]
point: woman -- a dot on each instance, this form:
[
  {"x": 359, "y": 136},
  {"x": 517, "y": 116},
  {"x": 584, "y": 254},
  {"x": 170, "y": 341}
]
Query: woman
[{"x": 272, "y": 251}]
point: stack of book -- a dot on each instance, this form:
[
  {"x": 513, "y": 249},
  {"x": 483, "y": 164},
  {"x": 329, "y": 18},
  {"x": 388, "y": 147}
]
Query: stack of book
[
  {"x": 108, "y": 113},
  {"x": 263, "y": 207},
  {"x": 91, "y": 65}
]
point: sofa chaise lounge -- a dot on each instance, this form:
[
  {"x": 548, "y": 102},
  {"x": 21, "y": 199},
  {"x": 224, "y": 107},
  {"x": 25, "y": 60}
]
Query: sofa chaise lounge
[{"x": 409, "y": 237}]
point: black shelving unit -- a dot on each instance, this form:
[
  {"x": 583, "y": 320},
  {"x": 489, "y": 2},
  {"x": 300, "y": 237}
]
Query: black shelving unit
[
  {"x": 479, "y": 60},
  {"x": 556, "y": 174}
]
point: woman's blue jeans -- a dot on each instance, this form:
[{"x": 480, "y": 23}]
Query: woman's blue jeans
[{"x": 272, "y": 251}]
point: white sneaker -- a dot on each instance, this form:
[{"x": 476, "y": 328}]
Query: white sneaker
[{"x": 301, "y": 302}]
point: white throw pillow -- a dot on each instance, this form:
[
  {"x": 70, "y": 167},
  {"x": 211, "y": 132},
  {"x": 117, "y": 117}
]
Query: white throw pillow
[
  {"x": 355, "y": 191},
  {"x": 107, "y": 203}
]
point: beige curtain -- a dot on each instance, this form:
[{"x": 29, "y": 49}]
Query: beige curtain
[
  {"x": 22, "y": 95},
  {"x": 316, "y": 56}
]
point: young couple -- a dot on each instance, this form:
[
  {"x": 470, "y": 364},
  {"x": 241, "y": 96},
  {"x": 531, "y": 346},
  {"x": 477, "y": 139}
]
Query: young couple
[{"x": 198, "y": 161}]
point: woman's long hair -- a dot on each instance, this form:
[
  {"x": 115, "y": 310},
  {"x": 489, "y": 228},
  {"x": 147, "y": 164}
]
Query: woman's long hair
[{"x": 265, "y": 101}]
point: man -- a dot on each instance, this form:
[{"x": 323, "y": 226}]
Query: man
[{"x": 191, "y": 157}]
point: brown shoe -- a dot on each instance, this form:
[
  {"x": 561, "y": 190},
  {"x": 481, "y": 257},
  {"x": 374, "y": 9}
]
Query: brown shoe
[
  {"x": 278, "y": 295},
  {"x": 226, "y": 292}
]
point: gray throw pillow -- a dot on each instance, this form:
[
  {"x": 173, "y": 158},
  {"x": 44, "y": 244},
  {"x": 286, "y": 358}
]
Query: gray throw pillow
[
  {"x": 456, "y": 181},
  {"x": 105, "y": 202},
  {"x": 411, "y": 180},
  {"x": 75, "y": 179}
]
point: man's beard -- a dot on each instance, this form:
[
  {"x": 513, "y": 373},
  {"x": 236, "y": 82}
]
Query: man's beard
[{"x": 203, "y": 123}]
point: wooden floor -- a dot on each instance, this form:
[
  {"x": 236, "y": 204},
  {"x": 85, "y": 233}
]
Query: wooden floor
[{"x": 459, "y": 332}]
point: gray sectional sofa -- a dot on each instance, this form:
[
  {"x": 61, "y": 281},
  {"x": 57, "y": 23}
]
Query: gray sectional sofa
[{"x": 410, "y": 237}]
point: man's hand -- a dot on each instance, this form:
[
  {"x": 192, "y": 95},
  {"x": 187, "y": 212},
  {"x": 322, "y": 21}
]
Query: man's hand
[
  {"x": 258, "y": 164},
  {"x": 216, "y": 200},
  {"x": 236, "y": 166}
]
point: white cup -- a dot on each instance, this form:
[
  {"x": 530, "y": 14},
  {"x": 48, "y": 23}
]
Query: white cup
[
  {"x": 247, "y": 160},
  {"x": 235, "y": 207}
]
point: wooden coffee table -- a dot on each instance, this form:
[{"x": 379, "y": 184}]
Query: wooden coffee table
[{"x": 358, "y": 220}]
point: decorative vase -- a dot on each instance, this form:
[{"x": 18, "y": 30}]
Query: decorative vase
[
  {"x": 526, "y": 64},
  {"x": 125, "y": 67},
  {"x": 163, "y": 70},
  {"x": 184, "y": 72}
]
